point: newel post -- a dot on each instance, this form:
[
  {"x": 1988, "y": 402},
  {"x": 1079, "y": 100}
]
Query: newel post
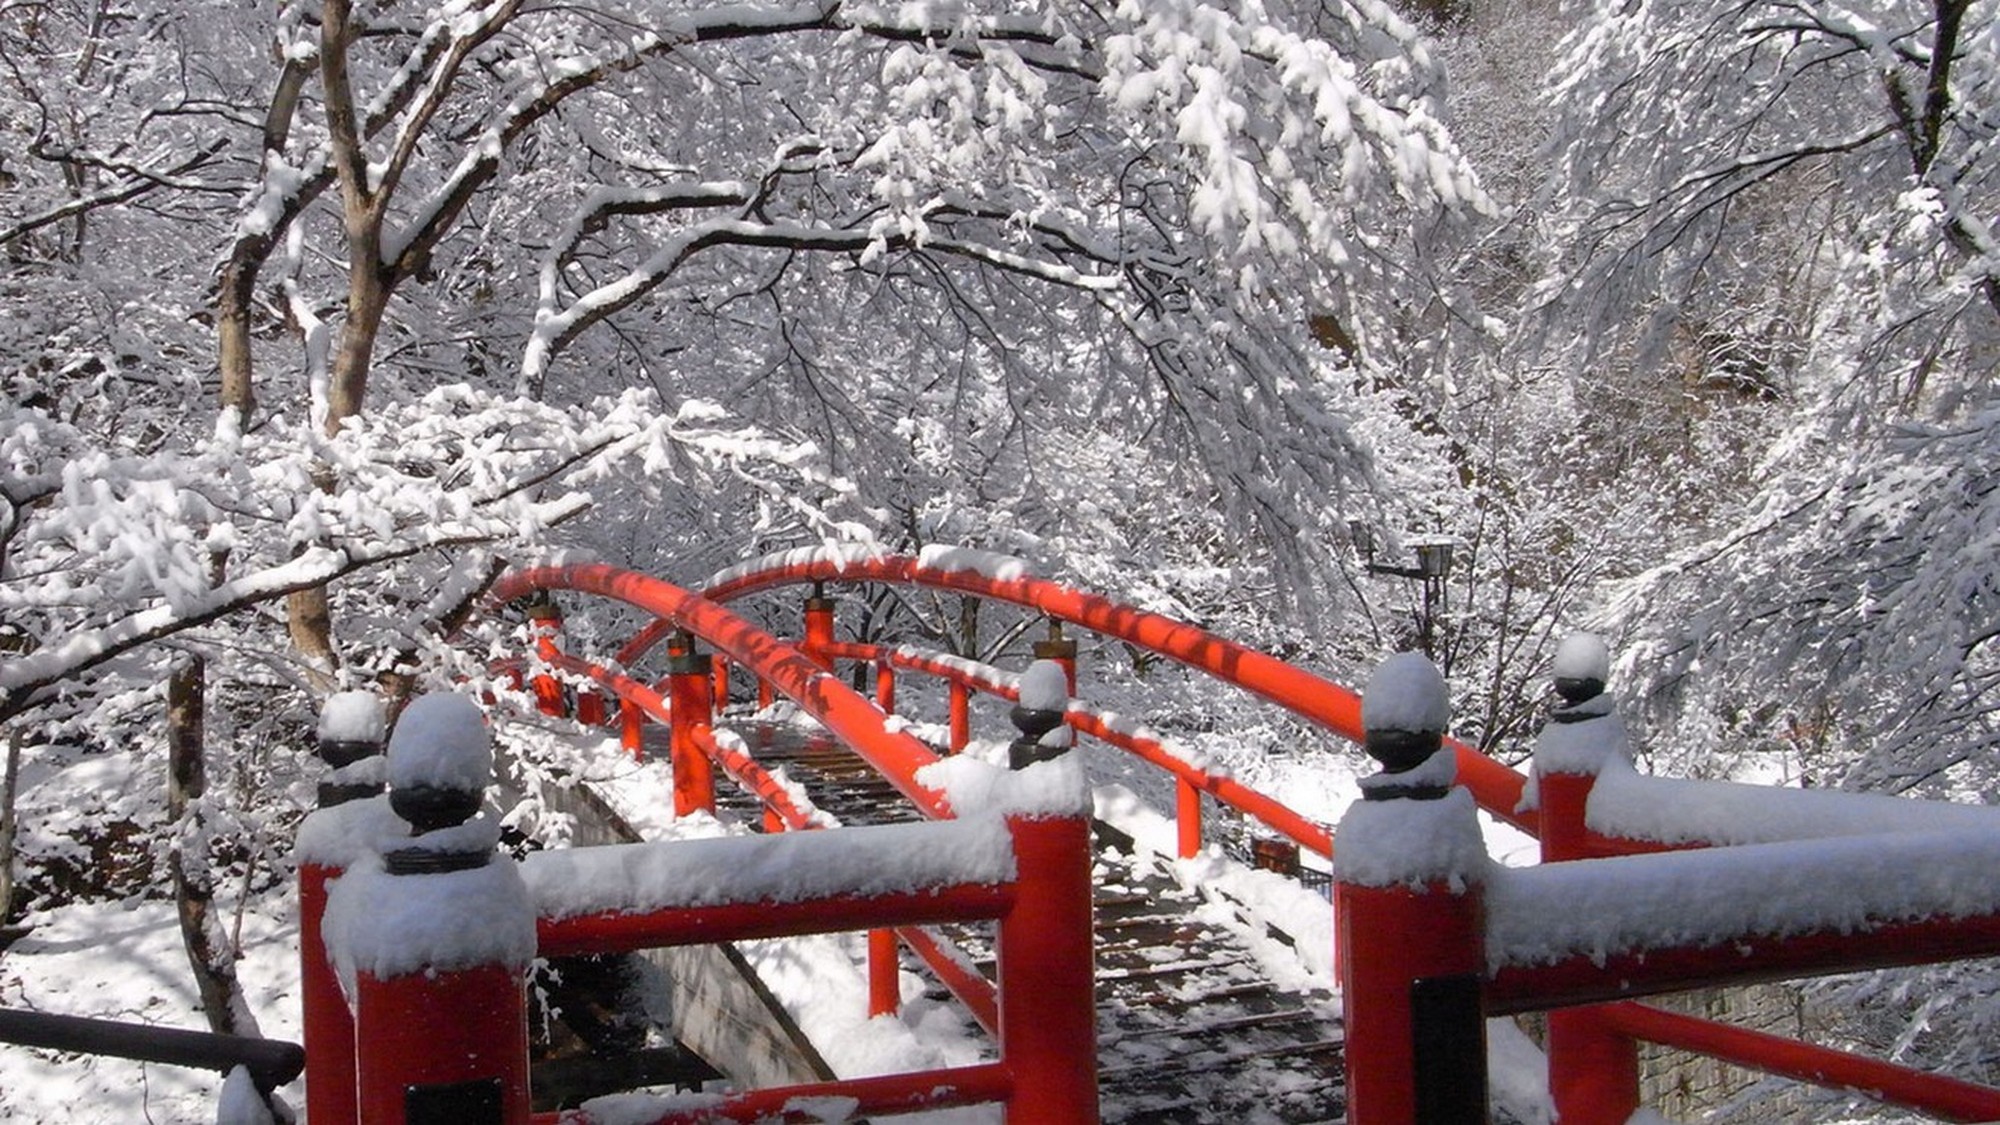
[
  {"x": 351, "y": 814},
  {"x": 691, "y": 703},
  {"x": 1409, "y": 864},
  {"x": 1593, "y": 1069},
  {"x": 433, "y": 938},
  {"x": 819, "y": 627},
  {"x": 545, "y": 629},
  {"x": 1045, "y": 946}
]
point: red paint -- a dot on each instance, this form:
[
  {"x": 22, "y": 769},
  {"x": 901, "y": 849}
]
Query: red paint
[
  {"x": 746, "y": 921},
  {"x": 885, "y": 687},
  {"x": 1934, "y": 1094},
  {"x": 885, "y": 994},
  {"x": 1187, "y": 818},
  {"x": 818, "y": 642},
  {"x": 960, "y": 716},
  {"x": 1048, "y": 1010},
  {"x": 1593, "y": 1068},
  {"x": 1749, "y": 960},
  {"x": 1387, "y": 939},
  {"x": 957, "y": 973},
  {"x": 327, "y": 1024},
  {"x": 439, "y": 1028},
  {"x": 690, "y": 711},
  {"x": 632, "y": 729}
]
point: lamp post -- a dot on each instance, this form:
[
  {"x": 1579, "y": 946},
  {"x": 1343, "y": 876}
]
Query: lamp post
[{"x": 1433, "y": 567}]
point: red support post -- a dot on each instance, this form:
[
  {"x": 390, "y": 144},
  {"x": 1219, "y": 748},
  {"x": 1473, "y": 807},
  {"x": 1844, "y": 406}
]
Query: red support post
[
  {"x": 819, "y": 628},
  {"x": 690, "y": 680},
  {"x": 885, "y": 994},
  {"x": 885, "y": 687},
  {"x": 437, "y": 1046},
  {"x": 1048, "y": 1014},
  {"x": 632, "y": 729},
  {"x": 721, "y": 684},
  {"x": 1593, "y": 1067},
  {"x": 1187, "y": 818},
  {"x": 545, "y": 626},
  {"x": 766, "y": 694},
  {"x": 326, "y": 1023},
  {"x": 1408, "y": 926},
  {"x": 590, "y": 707},
  {"x": 1060, "y": 649},
  {"x": 961, "y": 716}
]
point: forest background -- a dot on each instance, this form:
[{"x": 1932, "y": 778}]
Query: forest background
[{"x": 1678, "y": 317}]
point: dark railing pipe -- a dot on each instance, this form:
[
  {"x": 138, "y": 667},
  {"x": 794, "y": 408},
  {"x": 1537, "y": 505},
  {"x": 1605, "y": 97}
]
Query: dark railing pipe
[{"x": 270, "y": 1062}]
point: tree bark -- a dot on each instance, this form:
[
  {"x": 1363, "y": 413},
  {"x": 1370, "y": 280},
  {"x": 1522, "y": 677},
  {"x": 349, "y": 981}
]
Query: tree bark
[
  {"x": 9, "y": 788},
  {"x": 191, "y": 862}
]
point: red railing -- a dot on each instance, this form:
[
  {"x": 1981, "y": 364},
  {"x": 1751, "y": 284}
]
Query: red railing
[
  {"x": 1042, "y": 1012},
  {"x": 1434, "y": 941},
  {"x": 1328, "y": 705}
]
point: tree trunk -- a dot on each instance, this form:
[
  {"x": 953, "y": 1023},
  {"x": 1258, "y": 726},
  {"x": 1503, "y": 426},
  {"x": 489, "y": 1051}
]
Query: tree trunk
[
  {"x": 9, "y": 786},
  {"x": 191, "y": 862}
]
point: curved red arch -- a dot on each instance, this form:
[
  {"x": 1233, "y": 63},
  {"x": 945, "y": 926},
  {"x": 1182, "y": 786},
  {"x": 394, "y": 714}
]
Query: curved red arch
[
  {"x": 851, "y": 718},
  {"x": 1497, "y": 788}
]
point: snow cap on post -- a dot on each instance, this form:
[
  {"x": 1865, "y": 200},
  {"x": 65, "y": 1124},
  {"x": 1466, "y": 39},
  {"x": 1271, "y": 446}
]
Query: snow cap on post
[
  {"x": 1038, "y": 714},
  {"x": 1404, "y": 711},
  {"x": 352, "y": 728},
  {"x": 440, "y": 762},
  {"x": 1583, "y": 667}
]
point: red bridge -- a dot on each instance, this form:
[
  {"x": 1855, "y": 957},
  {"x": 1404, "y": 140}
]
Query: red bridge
[{"x": 983, "y": 875}]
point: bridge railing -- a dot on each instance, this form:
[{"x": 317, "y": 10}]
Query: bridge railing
[
  {"x": 430, "y": 933},
  {"x": 1436, "y": 937}
]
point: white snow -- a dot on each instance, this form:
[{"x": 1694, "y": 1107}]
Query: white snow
[
  {"x": 1044, "y": 687},
  {"x": 786, "y": 867},
  {"x": 353, "y": 716},
  {"x": 1716, "y": 896},
  {"x": 1594, "y": 738},
  {"x": 1583, "y": 656},
  {"x": 441, "y": 741},
  {"x": 1411, "y": 843},
  {"x": 1631, "y": 805},
  {"x": 340, "y": 836},
  {"x": 987, "y": 564},
  {"x": 839, "y": 555},
  {"x": 240, "y": 1103},
  {"x": 1052, "y": 788},
  {"x": 392, "y": 925},
  {"x": 1406, "y": 693}
]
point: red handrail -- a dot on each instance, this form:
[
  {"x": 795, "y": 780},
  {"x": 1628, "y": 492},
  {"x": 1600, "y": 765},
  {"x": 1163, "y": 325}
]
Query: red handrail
[
  {"x": 1497, "y": 788},
  {"x": 1088, "y": 720},
  {"x": 851, "y": 718}
]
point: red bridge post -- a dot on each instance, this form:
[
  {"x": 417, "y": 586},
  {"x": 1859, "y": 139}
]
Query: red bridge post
[
  {"x": 436, "y": 936},
  {"x": 1408, "y": 866},
  {"x": 690, "y": 688},
  {"x": 544, "y": 627},
  {"x": 352, "y": 729},
  {"x": 819, "y": 627},
  {"x": 1593, "y": 1067},
  {"x": 1045, "y": 944}
]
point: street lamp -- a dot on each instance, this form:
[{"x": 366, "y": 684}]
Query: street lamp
[{"x": 1433, "y": 567}]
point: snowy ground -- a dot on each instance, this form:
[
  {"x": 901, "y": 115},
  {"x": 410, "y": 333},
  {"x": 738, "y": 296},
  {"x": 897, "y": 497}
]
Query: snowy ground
[{"x": 124, "y": 961}]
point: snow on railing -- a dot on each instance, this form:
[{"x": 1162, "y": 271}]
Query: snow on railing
[
  {"x": 432, "y": 931},
  {"x": 1438, "y": 936},
  {"x": 1002, "y": 578}
]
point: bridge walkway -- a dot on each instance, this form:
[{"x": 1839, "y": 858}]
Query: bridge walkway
[{"x": 1193, "y": 1027}]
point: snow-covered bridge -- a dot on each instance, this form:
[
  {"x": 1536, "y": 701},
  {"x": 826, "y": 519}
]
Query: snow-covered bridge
[{"x": 1056, "y": 950}]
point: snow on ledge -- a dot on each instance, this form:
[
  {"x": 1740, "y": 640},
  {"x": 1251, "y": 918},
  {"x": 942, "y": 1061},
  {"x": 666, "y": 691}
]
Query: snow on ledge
[
  {"x": 393, "y": 925},
  {"x": 840, "y": 555},
  {"x": 1412, "y": 843},
  {"x": 341, "y": 836},
  {"x": 1603, "y": 908},
  {"x": 1056, "y": 787},
  {"x": 787, "y": 867},
  {"x": 1634, "y": 806},
  {"x": 987, "y": 564}
]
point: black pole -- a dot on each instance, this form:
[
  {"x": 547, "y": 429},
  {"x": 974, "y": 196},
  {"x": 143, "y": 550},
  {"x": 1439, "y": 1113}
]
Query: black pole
[{"x": 271, "y": 1062}]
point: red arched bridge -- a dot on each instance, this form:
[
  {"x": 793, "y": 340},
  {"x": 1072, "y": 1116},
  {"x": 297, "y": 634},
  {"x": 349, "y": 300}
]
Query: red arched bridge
[{"x": 415, "y": 937}]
